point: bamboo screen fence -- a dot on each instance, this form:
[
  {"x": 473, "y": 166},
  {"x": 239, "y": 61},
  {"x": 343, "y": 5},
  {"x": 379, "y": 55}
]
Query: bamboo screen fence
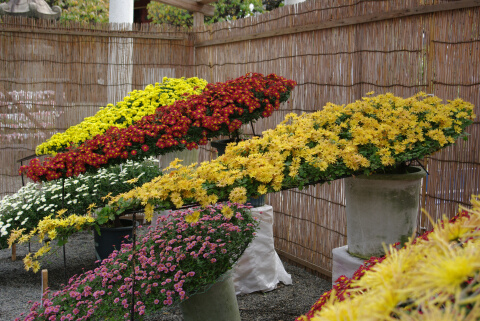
[
  {"x": 52, "y": 77},
  {"x": 336, "y": 50}
]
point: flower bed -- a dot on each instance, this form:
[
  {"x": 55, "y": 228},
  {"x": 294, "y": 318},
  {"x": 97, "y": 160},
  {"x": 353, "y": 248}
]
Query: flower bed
[
  {"x": 377, "y": 134},
  {"x": 221, "y": 109},
  {"x": 34, "y": 202},
  {"x": 434, "y": 277},
  {"x": 188, "y": 250},
  {"x": 139, "y": 103}
]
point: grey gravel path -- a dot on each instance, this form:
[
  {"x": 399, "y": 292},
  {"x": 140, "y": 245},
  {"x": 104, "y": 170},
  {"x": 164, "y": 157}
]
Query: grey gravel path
[{"x": 18, "y": 286}]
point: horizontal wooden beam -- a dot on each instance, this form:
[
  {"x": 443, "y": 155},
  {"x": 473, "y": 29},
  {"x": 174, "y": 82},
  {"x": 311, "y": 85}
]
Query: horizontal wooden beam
[
  {"x": 395, "y": 14},
  {"x": 109, "y": 34},
  {"x": 205, "y": 1},
  {"x": 190, "y": 5}
]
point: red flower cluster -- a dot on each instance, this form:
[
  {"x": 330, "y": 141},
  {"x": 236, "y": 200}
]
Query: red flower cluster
[{"x": 221, "y": 109}]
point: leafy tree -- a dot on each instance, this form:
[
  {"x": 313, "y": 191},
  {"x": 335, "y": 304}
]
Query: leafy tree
[
  {"x": 80, "y": 10},
  {"x": 97, "y": 11},
  {"x": 224, "y": 10}
]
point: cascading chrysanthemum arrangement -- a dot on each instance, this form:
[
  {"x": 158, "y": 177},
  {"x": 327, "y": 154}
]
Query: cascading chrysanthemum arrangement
[
  {"x": 220, "y": 109},
  {"x": 187, "y": 251},
  {"x": 434, "y": 277},
  {"x": 35, "y": 207},
  {"x": 137, "y": 104},
  {"x": 376, "y": 134}
]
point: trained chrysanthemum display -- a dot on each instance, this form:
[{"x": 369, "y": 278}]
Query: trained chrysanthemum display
[
  {"x": 219, "y": 110},
  {"x": 434, "y": 277},
  {"x": 373, "y": 135},
  {"x": 137, "y": 104},
  {"x": 187, "y": 251},
  {"x": 33, "y": 203}
]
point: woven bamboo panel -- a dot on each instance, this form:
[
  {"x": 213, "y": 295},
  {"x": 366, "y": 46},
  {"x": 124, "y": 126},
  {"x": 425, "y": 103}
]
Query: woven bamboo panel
[
  {"x": 455, "y": 171},
  {"x": 336, "y": 65},
  {"x": 53, "y": 76}
]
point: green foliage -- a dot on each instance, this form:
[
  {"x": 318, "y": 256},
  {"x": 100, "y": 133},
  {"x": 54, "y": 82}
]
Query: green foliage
[
  {"x": 224, "y": 10},
  {"x": 96, "y": 11},
  {"x": 164, "y": 14},
  {"x": 91, "y": 11}
]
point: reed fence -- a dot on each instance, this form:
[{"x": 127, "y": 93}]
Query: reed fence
[{"x": 337, "y": 50}]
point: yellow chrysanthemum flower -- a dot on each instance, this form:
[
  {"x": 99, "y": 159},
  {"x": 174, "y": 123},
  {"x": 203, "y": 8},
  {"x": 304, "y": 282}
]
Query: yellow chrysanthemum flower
[
  {"x": 262, "y": 189},
  {"x": 227, "y": 212},
  {"x": 192, "y": 218},
  {"x": 149, "y": 212},
  {"x": 238, "y": 195}
]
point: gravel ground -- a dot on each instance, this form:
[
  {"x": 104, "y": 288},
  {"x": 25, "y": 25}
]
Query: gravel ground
[{"x": 18, "y": 286}]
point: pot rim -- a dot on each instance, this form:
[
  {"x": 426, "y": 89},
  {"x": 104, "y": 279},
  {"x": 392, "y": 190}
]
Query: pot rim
[
  {"x": 418, "y": 173},
  {"x": 120, "y": 228}
]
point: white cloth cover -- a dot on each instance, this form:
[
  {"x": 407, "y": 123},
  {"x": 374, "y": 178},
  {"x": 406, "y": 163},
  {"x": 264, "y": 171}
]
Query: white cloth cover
[{"x": 260, "y": 268}]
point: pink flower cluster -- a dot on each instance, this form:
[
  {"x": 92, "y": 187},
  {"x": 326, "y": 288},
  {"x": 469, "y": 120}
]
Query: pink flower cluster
[
  {"x": 172, "y": 262},
  {"x": 219, "y": 110}
]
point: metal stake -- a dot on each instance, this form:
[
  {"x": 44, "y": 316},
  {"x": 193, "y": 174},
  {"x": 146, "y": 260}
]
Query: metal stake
[
  {"x": 64, "y": 255},
  {"x": 134, "y": 241}
]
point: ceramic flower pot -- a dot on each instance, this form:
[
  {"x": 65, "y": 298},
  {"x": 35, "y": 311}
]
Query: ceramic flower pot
[
  {"x": 256, "y": 201},
  {"x": 111, "y": 239},
  {"x": 214, "y": 302},
  {"x": 381, "y": 208}
]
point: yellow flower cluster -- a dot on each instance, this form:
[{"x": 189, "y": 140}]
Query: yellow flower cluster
[
  {"x": 434, "y": 279},
  {"x": 178, "y": 185},
  {"x": 55, "y": 228},
  {"x": 338, "y": 141},
  {"x": 139, "y": 103},
  {"x": 192, "y": 218}
]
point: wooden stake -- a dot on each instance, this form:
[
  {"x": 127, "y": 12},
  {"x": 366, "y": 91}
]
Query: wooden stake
[
  {"x": 14, "y": 252},
  {"x": 44, "y": 282},
  {"x": 198, "y": 19}
]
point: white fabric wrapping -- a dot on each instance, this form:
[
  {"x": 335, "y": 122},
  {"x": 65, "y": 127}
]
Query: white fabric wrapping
[{"x": 260, "y": 268}]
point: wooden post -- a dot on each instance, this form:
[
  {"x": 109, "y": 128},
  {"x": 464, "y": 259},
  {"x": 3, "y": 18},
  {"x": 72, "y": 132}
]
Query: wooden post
[
  {"x": 44, "y": 282},
  {"x": 14, "y": 252},
  {"x": 198, "y": 19}
]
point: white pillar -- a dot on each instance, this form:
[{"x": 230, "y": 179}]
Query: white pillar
[
  {"x": 120, "y": 69},
  {"x": 121, "y": 11},
  {"x": 289, "y": 2}
]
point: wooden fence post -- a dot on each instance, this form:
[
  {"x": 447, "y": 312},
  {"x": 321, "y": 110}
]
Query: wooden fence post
[
  {"x": 198, "y": 19},
  {"x": 44, "y": 282}
]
